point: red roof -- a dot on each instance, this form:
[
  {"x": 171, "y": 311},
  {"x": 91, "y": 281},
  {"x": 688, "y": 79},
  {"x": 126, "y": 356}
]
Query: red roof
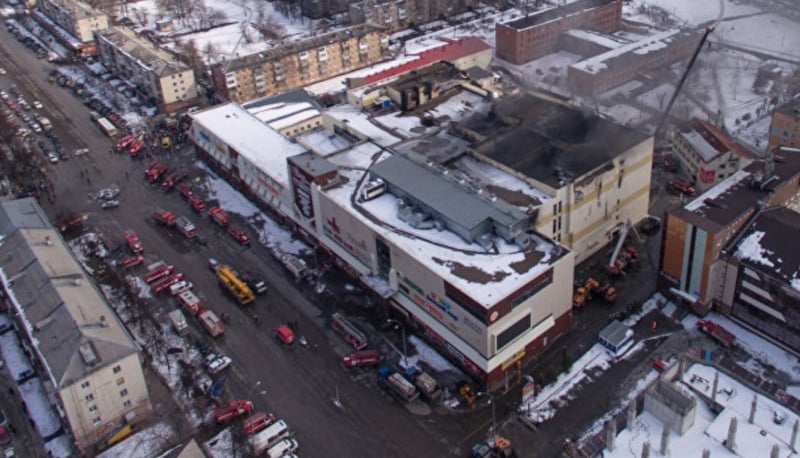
[{"x": 454, "y": 49}]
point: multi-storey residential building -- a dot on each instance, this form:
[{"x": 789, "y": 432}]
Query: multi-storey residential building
[
  {"x": 528, "y": 38},
  {"x": 76, "y": 17},
  {"x": 88, "y": 362},
  {"x": 593, "y": 176},
  {"x": 399, "y": 14},
  {"x": 299, "y": 64},
  {"x": 449, "y": 248},
  {"x": 695, "y": 235},
  {"x": 785, "y": 127},
  {"x": 158, "y": 74},
  {"x": 617, "y": 66},
  {"x": 708, "y": 154}
]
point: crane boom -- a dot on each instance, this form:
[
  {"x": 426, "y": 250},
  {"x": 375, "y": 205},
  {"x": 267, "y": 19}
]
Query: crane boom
[{"x": 683, "y": 80}]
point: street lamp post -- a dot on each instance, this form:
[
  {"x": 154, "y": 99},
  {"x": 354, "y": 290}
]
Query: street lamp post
[
  {"x": 493, "y": 430},
  {"x": 403, "y": 330}
]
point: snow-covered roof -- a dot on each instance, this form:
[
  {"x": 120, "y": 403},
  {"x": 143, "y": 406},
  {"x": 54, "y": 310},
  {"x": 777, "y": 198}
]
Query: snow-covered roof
[
  {"x": 657, "y": 42},
  {"x": 602, "y": 39},
  {"x": 252, "y": 139},
  {"x": 707, "y": 140},
  {"x": 359, "y": 120},
  {"x": 541, "y": 17},
  {"x": 295, "y": 118},
  {"x": 763, "y": 245}
]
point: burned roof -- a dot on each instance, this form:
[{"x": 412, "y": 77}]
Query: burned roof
[
  {"x": 763, "y": 244},
  {"x": 740, "y": 193},
  {"x": 550, "y": 142},
  {"x": 791, "y": 108},
  {"x": 556, "y": 13}
]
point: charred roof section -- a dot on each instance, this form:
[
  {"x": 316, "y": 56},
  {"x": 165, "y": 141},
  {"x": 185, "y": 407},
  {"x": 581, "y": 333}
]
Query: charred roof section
[{"x": 547, "y": 141}]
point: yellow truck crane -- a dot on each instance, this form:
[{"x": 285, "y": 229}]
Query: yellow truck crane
[{"x": 231, "y": 282}]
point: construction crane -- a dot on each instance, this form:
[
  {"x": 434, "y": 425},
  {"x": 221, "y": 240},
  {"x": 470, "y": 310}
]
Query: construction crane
[{"x": 682, "y": 81}]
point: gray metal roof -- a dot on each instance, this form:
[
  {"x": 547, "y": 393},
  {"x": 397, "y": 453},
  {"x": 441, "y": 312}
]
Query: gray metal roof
[
  {"x": 441, "y": 195},
  {"x": 19, "y": 213},
  {"x": 51, "y": 292},
  {"x": 616, "y": 333}
]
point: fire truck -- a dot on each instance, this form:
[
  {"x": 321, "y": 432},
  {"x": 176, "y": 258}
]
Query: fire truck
[
  {"x": 219, "y": 216},
  {"x": 133, "y": 241},
  {"x": 190, "y": 302},
  {"x": 350, "y": 333},
  {"x": 167, "y": 218}
]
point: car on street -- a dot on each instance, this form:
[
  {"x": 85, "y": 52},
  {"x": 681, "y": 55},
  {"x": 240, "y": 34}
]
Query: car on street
[
  {"x": 213, "y": 264},
  {"x": 81, "y": 151},
  {"x": 37, "y": 104},
  {"x": 107, "y": 193},
  {"x": 110, "y": 204},
  {"x": 284, "y": 334},
  {"x": 255, "y": 282},
  {"x": 219, "y": 364},
  {"x": 3, "y": 71},
  {"x": 52, "y": 157},
  {"x": 238, "y": 234}
]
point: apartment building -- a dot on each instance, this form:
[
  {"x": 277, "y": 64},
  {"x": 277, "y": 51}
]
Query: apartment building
[
  {"x": 400, "y": 14},
  {"x": 169, "y": 83},
  {"x": 708, "y": 154},
  {"x": 300, "y": 63},
  {"x": 89, "y": 365},
  {"x": 617, "y": 66},
  {"x": 533, "y": 36},
  {"x": 785, "y": 127},
  {"x": 696, "y": 234},
  {"x": 76, "y": 17}
]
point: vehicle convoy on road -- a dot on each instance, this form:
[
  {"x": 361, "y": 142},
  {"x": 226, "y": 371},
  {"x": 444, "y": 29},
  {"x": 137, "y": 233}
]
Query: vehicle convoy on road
[
  {"x": 717, "y": 332},
  {"x": 398, "y": 386},
  {"x": 235, "y": 286}
]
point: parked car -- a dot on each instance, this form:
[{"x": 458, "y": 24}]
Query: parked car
[
  {"x": 219, "y": 364},
  {"x": 110, "y": 204},
  {"x": 107, "y": 193},
  {"x": 81, "y": 151},
  {"x": 238, "y": 234},
  {"x": 37, "y": 104},
  {"x": 52, "y": 157}
]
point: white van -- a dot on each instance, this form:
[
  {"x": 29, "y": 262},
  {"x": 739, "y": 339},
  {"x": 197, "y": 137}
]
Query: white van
[
  {"x": 282, "y": 448},
  {"x": 270, "y": 436},
  {"x": 179, "y": 287},
  {"x": 179, "y": 322}
]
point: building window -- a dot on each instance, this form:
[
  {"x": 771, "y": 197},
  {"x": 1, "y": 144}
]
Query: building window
[
  {"x": 120, "y": 381},
  {"x": 85, "y": 384},
  {"x": 89, "y": 397},
  {"x": 96, "y": 421},
  {"x": 127, "y": 404},
  {"x": 92, "y": 409},
  {"x": 117, "y": 369},
  {"x": 123, "y": 393}
]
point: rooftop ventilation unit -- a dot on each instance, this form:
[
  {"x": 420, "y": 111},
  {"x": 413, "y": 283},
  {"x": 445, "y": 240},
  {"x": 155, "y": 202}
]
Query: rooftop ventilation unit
[
  {"x": 88, "y": 354},
  {"x": 524, "y": 241},
  {"x": 486, "y": 241}
]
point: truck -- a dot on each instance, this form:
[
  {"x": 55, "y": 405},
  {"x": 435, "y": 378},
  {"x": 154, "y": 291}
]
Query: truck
[
  {"x": 211, "y": 322},
  {"x": 155, "y": 170},
  {"x": 295, "y": 265},
  {"x": 256, "y": 422},
  {"x": 230, "y": 282},
  {"x": 133, "y": 241},
  {"x": 397, "y": 385},
  {"x": 219, "y": 216},
  {"x": 426, "y": 384},
  {"x": 173, "y": 179},
  {"x": 162, "y": 285},
  {"x": 350, "y": 333},
  {"x": 186, "y": 227},
  {"x": 190, "y": 302},
  {"x": 269, "y": 437},
  {"x": 717, "y": 332},
  {"x": 361, "y": 358},
  {"x": 179, "y": 322},
  {"x": 107, "y": 127},
  {"x": 167, "y": 218},
  {"x": 232, "y": 409},
  {"x": 681, "y": 186},
  {"x": 124, "y": 142},
  {"x": 158, "y": 273},
  {"x": 45, "y": 122}
]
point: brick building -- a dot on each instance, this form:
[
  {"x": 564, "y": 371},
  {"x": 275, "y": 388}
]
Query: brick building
[
  {"x": 696, "y": 234},
  {"x": 620, "y": 65},
  {"x": 522, "y": 40},
  {"x": 299, "y": 64},
  {"x": 785, "y": 127}
]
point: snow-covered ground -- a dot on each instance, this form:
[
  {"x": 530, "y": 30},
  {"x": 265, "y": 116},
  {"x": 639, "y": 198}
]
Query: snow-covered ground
[{"x": 146, "y": 443}]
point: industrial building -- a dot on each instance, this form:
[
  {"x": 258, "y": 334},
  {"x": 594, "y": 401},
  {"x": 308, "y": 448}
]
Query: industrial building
[
  {"x": 617, "y": 66},
  {"x": 166, "y": 82},
  {"x": 535, "y": 35},
  {"x": 88, "y": 363},
  {"x": 299, "y": 64},
  {"x": 708, "y": 154},
  {"x": 702, "y": 260},
  {"x": 449, "y": 240},
  {"x": 785, "y": 127}
]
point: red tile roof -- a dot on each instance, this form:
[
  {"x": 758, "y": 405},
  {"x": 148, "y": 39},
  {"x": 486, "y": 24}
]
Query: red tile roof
[{"x": 454, "y": 49}]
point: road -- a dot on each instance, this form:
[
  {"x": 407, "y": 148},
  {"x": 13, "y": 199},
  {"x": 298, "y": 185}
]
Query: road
[{"x": 299, "y": 384}]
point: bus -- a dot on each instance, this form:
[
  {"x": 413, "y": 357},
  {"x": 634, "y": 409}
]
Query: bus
[{"x": 106, "y": 126}]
